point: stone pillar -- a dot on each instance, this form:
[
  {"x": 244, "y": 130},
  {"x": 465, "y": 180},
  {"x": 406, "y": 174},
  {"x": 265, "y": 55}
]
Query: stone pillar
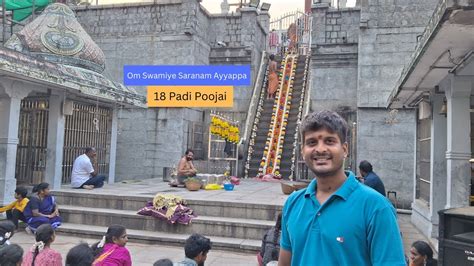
[
  {"x": 10, "y": 104},
  {"x": 318, "y": 34},
  {"x": 55, "y": 142},
  {"x": 438, "y": 163},
  {"x": 113, "y": 147},
  {"x": 458, "y": 141},
  {"x": 264, "y": 19},
  {"x": 249, "y": 26},
  {"x": 9, "y": 118},
  {"x": 321, "y": 3},
  {"x": 307, "y": 6}
]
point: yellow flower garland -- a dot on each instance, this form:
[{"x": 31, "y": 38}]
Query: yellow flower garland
[{"x": 224, "y": 129}]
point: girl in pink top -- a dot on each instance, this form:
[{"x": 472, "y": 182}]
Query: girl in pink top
[
  {"x": 41, "y": 254},
  {"x": 111, "y": 251}
]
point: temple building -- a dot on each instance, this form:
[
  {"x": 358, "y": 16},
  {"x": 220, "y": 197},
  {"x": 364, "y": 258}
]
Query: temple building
[{"x": 55, "y": 101}]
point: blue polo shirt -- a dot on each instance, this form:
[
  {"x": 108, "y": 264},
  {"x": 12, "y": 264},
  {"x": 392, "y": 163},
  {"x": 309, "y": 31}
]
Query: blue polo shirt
[{"x": 355, "y": 226}]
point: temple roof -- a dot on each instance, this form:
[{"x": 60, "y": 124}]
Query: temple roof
[
  {"x": 54, "y": 50},
  {"x": 74, "y": 79},
  {"x": 56, "y": 36}
]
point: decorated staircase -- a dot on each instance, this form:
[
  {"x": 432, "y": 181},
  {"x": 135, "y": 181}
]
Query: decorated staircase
[{"x": 274, "y": 133}]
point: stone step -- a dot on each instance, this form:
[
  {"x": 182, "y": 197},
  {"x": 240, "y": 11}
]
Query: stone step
[
  {"x": 202, "y": 207},
  {"x": 160, "y": 238},
  {"x": 206, "y": 225}
]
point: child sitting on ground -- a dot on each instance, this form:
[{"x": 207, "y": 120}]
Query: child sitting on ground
[
  {"x": 15, "y": 209},
  {"x": 41, "y": 253}
]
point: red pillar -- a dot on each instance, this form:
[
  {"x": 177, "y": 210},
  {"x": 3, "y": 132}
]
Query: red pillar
[{"x": 307, "y": 6}]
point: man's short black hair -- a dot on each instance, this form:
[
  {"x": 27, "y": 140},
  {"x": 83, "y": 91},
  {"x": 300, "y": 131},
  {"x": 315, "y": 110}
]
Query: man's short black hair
[
  {"x": 188, "y": 151},
  {"x": 89, "y": 149},
  {"x": 80, "y": 255},
  {"x": 365, "y": 166},
  {"x": 163, "y": 262},
  {"x": 11, "y": 255},
  {"x": 22, "y": 191},
  {"x": 329, "y": 120},
  {"x": 196, "y": 244}
]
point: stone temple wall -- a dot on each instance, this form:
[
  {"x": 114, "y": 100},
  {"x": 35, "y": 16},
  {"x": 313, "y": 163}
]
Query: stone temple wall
[
  {"x": 388, "y": 143},
  {"x": 388, "y": 36},
  {"x": 152, "y": 34},
  {"x": 358, "y": 54},
  {"x": 172, "y": 32},
  {"x": 389, "y": 31},
  {"x": 149, "y": 34},
  {"x": 334, "y": 58}
]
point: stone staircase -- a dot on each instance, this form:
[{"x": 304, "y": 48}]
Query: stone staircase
[
  {"x": 231, "y": 226},
  {"x": 265, "y": 120}
]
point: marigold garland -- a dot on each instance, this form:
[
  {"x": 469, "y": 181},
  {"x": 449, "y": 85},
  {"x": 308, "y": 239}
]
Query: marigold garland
[
  {"x": 270, "y": 162},
  {"x": 224, "y": 129}
]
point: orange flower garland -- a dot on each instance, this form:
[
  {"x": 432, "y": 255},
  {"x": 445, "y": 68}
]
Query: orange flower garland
[{"x": 270, "y": 163}]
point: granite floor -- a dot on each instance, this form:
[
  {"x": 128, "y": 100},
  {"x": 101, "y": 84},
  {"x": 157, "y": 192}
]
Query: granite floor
[{"x": 249, "y": 191}]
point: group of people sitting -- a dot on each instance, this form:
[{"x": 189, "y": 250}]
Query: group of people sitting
[
  {"x": 40, "y": 254},
  {"x": 110, "y": 250},
  {"x": 39, "y": 209}
]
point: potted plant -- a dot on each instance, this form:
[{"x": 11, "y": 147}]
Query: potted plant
[{"x": 193, "y": 184}]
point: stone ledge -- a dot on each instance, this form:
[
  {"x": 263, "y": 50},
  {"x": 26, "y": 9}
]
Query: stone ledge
[
  {"x": 111, "y": 6},
  {"x": 211, "y": 226},
  {"x": 215, "y": 208},
  {"x": 219, "y": 243}
]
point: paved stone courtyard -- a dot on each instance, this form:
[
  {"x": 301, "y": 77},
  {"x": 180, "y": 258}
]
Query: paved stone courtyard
[
  {"x": 249, "y": 191},
  {"x": 143, "y": 254}
]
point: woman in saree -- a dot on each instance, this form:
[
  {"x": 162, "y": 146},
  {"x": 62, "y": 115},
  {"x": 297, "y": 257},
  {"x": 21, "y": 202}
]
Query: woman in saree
[
  {"x": 111, "y": 249},
  {"x": 41, "y": 209},
  {"x": 272, "y": 78}
]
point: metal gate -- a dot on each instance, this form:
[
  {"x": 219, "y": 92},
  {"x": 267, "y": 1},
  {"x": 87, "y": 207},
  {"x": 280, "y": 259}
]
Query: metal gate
[
  {"x": 303, "y": 24},
  {"x": 81, "y": 132},
  {"x": 32, "y": 136},
  {"x": 195, "y": 139}
]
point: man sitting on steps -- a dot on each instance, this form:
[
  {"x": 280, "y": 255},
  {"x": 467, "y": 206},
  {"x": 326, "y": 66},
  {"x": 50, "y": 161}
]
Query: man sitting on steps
[
  {"x": 85, "y": 171},
  {"x": 185, "y": 168}
]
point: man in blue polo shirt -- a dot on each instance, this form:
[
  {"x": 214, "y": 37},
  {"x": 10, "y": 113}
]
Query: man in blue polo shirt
[{"x": 336, "y": 220}]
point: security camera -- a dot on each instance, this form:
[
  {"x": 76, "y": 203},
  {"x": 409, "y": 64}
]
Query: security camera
[{"x": 221, "y": 44}]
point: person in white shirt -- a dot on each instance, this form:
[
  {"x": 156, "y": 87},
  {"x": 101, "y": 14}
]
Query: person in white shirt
[{"x": 84, "y": 171}]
